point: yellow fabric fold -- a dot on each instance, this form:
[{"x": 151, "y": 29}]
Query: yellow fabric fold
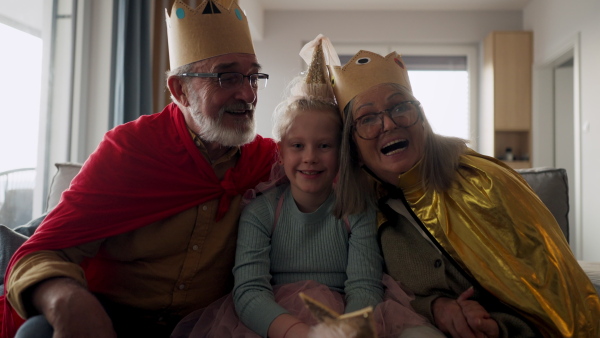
[{"x": 494, "y": 225}]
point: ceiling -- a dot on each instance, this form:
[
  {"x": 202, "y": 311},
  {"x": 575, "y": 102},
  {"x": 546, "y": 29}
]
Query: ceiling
[{"x": 361, "y": 5}]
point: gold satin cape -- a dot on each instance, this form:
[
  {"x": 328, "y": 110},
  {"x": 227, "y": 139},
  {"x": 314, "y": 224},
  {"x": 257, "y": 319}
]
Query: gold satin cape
[{"x": 497, "y": 229}]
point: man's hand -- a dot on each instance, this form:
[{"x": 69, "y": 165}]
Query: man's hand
[
  {"x": 464, "y": 318},
  {"x": 71, "y": 309}
]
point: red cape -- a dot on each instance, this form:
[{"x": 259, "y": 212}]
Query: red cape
[{"x": 142, "y": 172}]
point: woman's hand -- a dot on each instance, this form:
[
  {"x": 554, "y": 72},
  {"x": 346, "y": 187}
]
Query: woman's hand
[
  {"x": 464, "y": 318},
  {"x": 477, "y": 317}
]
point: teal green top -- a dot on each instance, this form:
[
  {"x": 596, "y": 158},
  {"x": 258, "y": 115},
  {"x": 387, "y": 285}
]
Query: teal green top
[{"x": 303, "y": 246}]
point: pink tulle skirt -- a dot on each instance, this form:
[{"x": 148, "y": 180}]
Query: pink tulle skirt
[{"x": 220, "y": 319}]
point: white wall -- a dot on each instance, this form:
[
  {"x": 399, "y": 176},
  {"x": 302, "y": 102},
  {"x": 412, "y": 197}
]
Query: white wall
[
  {"x": 285, "y": 32},
  {"x": 559, "y": 25}
]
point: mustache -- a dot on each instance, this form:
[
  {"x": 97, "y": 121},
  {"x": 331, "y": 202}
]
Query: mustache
[{"x": 239, "y": 106}]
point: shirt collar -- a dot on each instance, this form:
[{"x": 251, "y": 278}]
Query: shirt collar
[{"x": 200, "y": 145}]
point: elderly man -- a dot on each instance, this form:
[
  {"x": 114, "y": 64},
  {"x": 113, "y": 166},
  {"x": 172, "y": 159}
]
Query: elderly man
[{"x": 147, "y": 231}]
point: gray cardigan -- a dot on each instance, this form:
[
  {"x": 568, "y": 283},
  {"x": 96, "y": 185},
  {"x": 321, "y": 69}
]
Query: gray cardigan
[{"x": 304, "y": 246}]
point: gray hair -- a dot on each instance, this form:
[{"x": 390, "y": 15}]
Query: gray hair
[
  {"x": 176, "y": 72},
  {"x": 357, "y": 189},
  {"x": 181, "y": 69}
]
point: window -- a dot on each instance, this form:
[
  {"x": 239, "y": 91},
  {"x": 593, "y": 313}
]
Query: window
[
  {"x": 441, "y": 83},
  {"x": 20, "y": 86}
]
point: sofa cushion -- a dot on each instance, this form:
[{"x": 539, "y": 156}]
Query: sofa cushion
[
  {"x": 551, "y": 186},
  {"x": 11, "y": 241},
  {"x": 60, "y": 182}
]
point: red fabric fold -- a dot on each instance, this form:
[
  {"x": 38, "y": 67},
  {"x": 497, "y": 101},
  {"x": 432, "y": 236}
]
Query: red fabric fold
[{"x": 142, "y": 171}]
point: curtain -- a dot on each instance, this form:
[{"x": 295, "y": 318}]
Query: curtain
[
  {"x": 132, "y": 72},
  {"x": 160, "y": 54}
]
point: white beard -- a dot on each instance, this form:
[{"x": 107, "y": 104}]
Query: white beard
[{"x": 212, "y": 129}]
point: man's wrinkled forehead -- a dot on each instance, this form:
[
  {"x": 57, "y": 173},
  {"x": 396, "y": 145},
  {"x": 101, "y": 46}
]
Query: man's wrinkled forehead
[{"x": 229, "y": 62}]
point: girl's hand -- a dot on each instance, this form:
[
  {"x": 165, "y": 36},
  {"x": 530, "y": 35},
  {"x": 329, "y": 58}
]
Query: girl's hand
[{"x": 288, "y": 326}]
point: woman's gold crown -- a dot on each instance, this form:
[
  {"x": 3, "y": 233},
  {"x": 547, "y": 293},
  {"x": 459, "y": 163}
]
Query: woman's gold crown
[{"x": 365, "y": 70}]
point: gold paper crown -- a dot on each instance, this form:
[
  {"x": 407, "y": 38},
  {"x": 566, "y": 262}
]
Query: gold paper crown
[
  {"x": 365, "y": 70},
  {"x": 215, "y": 27}
]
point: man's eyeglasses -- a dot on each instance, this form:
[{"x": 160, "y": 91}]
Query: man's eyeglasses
[
  {"x": 230, "y": 80},
  {"x": 405, "y": 114}
]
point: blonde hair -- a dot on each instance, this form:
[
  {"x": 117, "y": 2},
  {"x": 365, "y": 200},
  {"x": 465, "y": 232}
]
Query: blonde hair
[
  {"x": 301, "y": 97},
  {"x": 357, "y": 188}
]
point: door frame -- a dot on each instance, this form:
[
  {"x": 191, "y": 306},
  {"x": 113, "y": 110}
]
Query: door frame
[{"x": 543, "y": 129}]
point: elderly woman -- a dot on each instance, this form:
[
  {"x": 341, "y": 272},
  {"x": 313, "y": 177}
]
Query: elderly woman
[{"x": 482, "y": 254}]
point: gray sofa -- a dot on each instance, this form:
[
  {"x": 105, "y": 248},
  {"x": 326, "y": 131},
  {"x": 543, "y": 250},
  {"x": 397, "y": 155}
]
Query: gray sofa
[{"x": 550, "y": 184}]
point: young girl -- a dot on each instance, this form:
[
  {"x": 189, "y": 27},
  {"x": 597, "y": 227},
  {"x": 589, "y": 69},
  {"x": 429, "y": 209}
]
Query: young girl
[{"x": 290, "y": 242}]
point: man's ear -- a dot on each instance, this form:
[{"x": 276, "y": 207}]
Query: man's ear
[{"x": 178, "y": 90}]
